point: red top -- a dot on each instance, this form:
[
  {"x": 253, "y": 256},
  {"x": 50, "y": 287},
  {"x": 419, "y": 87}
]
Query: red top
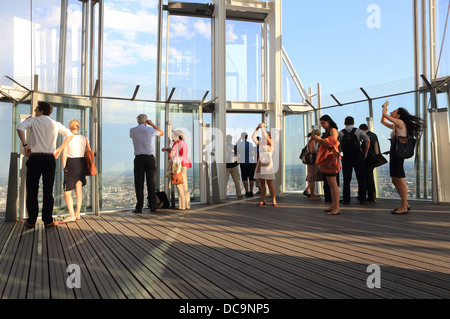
[{"x": 183, "y": 152}]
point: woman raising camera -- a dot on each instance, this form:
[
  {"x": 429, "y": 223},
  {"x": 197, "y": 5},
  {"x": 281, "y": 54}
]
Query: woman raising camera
[{"x": 405, "y": 125}]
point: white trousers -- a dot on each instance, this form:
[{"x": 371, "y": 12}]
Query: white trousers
[{"x": 184, "y": 197}]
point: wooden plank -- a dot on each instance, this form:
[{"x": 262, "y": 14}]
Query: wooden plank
[
  {"x": 233, "y": 217},
  {"x": 188, "y": 265},
  {"x": 295, "y": 270},
  {"x": 167, "y": 268},
  {"x": 114, "y": 261},
  {"x": 105, "y": 284},
  {"x": 88, "y": 290},
  {"x": 38, "y": 281},
  {"x": 7, "y": 256},
  {"x": 57, "y": 266},
  {"x": 16, "y": 287}
]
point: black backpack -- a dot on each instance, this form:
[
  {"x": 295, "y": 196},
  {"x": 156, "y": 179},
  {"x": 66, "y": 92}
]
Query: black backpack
[{"x": 350, "y": 142}]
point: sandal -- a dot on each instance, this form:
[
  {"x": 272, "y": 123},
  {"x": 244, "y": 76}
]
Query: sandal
[
  {"x": 68, "y": 219},
  {"x": 261, "y": 203}
]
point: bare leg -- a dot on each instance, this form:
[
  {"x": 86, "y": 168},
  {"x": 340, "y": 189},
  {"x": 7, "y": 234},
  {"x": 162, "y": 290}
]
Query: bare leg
[
  {"x": 334, "y": 190},
  {"x": 69, "y": 202},
  {"x": 400, "y": 185},
  {"x": 79, "y": 192},
  {"x": 272, "y": 191},
  {"x": 262, "y": 188}
]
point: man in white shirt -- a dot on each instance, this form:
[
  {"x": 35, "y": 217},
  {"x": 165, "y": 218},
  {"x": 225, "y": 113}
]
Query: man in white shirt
[
  {"x": 144, "y": 161},
  {"x": 42, "y": 152}
]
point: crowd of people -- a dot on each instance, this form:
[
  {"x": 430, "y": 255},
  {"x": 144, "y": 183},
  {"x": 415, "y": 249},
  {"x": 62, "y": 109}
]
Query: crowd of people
[{"x": 359, "y": 148}]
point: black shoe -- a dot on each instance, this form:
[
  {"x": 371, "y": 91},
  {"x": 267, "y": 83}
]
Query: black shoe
[
  {"x": 363, "y": 202},
  {"x": 138, "y": 211},
  {"x": 394, "y": 212},
  {"x": 344, "y": 202},
  {"x": 371, "y": 199},
  {"x": 29, "y": 225},
  {"x": 409, "y": 208}
]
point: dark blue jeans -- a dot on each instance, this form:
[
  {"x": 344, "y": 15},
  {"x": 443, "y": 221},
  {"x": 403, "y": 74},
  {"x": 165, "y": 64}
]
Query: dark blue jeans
[
  {"x": 37, "y": 166},
  {"x": 145, "y": 168}
]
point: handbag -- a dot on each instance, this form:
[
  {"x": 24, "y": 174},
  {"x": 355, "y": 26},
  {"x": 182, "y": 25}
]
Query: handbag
[
  {"x": 332, "y": 163},
  {"x": 307, "y": 157},
  {"x": 378, "y": 158},
  {"x": 89, "y": 155},
  {"x": 176, "y": 163},
  {"x": 161, "y": 200},
  {"x": 404, "y": 146},
  {"x": 177, "y": 179}
]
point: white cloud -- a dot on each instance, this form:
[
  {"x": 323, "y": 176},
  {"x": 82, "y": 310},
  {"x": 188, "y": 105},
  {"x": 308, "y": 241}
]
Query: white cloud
[
  {"x": 231, "y": 36},
  {"x": 203, "y": 28},
  {"x": 129, "y": 24},
  {"x": 121, "y": 52}
]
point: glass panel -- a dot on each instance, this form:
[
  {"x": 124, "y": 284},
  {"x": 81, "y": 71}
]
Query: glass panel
[
  {"x": 442, "y": 44},
  {"x": 117, "y": 177},
  {"x": 295, "y": 170},
  {"x": 243, "y": 68},
  {"x": 190, "y": 53},
  {"x": 116, "y": 181},
  {"x": 239, "y": 124}
]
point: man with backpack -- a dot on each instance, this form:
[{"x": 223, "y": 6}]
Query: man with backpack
[{"x": 353, "y": 158}]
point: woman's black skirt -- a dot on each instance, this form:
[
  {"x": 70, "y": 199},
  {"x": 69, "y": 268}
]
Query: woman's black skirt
[
  {"x": 396, "y": 164},
  {"x": 75, "y": 171}
]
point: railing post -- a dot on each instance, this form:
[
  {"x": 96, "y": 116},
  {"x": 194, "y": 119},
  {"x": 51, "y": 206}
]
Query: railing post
[{"x": 11, "y": 201}]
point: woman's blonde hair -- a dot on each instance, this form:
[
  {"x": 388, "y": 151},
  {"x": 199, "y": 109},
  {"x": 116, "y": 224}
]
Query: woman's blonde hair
[
  {"x": 74, "y": 124},
  {"x": 315, "y": 132}
]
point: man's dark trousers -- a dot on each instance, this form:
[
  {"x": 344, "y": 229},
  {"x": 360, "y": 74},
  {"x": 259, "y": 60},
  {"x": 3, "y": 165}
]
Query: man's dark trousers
[
  {"x": 38, "y": 165},
  {"x": 350, "y": 162},
  {"x": 145, "y": 167}
]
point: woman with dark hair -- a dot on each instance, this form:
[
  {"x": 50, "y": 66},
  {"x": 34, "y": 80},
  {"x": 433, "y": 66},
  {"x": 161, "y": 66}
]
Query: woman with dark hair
[
  {"x": 403, "y": 125},
  {"x": 329, "y": 144}
]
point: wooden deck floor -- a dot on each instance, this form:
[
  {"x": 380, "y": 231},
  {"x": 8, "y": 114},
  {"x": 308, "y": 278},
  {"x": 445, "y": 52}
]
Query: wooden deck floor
[{"x": 234, "y": 250}]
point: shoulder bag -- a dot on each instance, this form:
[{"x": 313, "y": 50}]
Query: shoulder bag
[{"x": 89, "y": 155}]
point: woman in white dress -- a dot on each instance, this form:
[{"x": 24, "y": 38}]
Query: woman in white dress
[
  {"x": 265, "y": 171},
  {"x": 74, "y": 165}
]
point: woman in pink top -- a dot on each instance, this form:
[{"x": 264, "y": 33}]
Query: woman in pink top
[{"x": 180, "y": 149}]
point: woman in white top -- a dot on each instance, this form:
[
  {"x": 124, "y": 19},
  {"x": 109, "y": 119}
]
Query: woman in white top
[
  {"x": 265, "y": 171},
  {"x": 403, "y": 125},
  {"x": 74, "y": 165}
]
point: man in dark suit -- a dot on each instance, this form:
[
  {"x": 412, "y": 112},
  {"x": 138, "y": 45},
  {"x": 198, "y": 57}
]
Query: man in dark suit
[{"x": 369, "y": 163}]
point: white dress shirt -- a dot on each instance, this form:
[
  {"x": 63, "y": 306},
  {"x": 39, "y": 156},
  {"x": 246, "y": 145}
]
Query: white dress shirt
[
  {"x": 43, "y": 133},
  {"x": 142, "y": 137}
]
